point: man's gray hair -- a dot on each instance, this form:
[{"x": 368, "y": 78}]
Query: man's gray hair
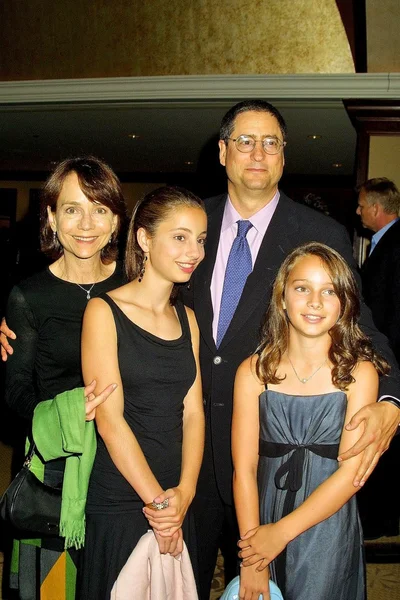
[{"x": 383, "y": 191}]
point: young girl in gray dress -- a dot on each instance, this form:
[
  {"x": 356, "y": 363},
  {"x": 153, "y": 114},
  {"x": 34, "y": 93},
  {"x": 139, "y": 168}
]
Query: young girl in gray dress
[{"x": 295, "y": 503}]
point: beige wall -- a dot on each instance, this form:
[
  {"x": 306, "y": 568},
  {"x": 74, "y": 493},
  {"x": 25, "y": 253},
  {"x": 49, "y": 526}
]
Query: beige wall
[
  {"x": 383, "y": 36},
  {"x": 133, "y": 192},
  {"x": 47, "y": 39},
  {"x": 22, "y": 188},
  {"x": 384, "y": 157}
]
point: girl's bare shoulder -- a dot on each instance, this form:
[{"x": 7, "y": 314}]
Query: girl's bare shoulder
[
  {"x": 365, "y": 370},
  {"x": 366, "y": 380},
  {"x": 247, "y": 370}
]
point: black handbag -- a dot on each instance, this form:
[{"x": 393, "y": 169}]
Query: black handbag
[{"x": 29, "y": 506}]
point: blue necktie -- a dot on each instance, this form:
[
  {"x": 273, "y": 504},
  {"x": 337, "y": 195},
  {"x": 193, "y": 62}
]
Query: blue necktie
[{"x": 238, "y": 268}]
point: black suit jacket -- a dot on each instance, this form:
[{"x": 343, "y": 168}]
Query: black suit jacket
[
  {"x": 381, "y": 285},
  {"x": 292, "y": 224}
]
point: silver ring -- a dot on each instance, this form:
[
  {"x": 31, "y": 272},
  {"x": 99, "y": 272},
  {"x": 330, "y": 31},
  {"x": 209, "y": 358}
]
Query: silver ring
[{"x": 160, "y": 505}]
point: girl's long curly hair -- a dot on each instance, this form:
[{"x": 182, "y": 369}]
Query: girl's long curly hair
[{"x": 349, "y": 344}]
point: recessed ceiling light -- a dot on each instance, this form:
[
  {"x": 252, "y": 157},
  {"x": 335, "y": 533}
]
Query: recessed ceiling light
[
  {"x": 133, "y": 136},
  {"x": 314, "y": 136},
  {"x": 189, "y": 162},
  {"x": 337, "y": 165}
]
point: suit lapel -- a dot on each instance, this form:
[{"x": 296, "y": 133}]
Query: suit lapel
[
  {"x": 274, "y": 248},
  {"x": 202, "y": 292}
]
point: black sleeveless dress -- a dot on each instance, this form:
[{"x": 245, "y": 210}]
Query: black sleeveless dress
[{"x": 156, "y": 376}]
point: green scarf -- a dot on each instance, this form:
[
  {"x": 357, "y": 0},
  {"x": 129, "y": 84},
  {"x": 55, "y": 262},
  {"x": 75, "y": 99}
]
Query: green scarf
[{"x": 59, "y": 430}]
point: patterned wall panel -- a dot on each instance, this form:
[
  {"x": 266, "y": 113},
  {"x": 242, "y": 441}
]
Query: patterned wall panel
[{"x": 43, "y": 39}]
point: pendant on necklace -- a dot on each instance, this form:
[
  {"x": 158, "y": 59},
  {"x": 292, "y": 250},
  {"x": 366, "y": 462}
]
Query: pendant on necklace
[
  {"x": 87, "y": 292},
  {"x": 305, "y": 379}
]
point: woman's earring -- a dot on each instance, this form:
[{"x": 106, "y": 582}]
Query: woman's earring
[
  {"x": 54, "y": 236},
  {"x": 143, "y": 269}
]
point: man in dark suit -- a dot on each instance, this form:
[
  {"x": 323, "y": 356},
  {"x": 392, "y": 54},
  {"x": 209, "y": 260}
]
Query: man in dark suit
[
  {"x": 379, "y": 209},
  {"x": 251, "y": 146}
]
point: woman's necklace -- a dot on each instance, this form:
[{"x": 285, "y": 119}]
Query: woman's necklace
[
  {"x": 89, "y": 290},
  {"x": 305, "y": 379},
  {"x": 63, "y": 275}
]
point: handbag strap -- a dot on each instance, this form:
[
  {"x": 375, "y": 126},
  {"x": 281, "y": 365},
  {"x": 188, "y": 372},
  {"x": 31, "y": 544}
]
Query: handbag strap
[{"x": 30, "y": 454}]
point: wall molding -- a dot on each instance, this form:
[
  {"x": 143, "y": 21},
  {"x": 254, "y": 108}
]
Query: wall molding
[{"x": 202, "y": 88}]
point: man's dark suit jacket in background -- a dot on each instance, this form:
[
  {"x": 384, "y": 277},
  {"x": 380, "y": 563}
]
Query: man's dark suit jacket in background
[
  {"x": 380, "y": 276},
  {"x": 381, "y": 285}
]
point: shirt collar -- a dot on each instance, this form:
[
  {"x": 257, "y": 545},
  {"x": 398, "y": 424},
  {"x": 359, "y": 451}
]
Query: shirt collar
[
  {"x": 260, "y": 220},
  {"x": 377, "y": 236}
]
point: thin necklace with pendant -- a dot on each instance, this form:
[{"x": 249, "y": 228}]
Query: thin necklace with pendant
[
  {"x": 89, "y": 290},
  {"x": 305, "y": 379}
]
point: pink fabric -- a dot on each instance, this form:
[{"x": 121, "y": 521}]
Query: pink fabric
[
  {"x": 149, "y": 575},
  {"x": 260, "y": 221}
]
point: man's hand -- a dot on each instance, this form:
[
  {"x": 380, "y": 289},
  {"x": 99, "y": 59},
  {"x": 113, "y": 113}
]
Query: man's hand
[
  {"x": 92, "y": 401},
  {"x": 381, "y": 421},
  {"x": 5, "y": 333}
]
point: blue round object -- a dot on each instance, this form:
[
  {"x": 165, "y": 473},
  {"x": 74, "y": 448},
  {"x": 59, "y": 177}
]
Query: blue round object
[{"x": 232, "y": 591}]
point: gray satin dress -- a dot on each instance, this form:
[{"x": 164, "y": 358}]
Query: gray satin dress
[{"x": 299, "y": 441}]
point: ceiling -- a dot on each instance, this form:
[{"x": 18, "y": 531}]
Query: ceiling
[{"x": 173, "y": 136}]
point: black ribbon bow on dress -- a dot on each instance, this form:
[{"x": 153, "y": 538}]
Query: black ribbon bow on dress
[{"x": 289, "y": 476}]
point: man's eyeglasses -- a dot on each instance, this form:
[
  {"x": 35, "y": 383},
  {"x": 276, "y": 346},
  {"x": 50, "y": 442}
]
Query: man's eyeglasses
[{"x": 246, "y": 143}]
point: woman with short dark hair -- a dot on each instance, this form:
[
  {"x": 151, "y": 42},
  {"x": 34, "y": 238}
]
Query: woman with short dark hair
[{"x": 82, "y": 212}]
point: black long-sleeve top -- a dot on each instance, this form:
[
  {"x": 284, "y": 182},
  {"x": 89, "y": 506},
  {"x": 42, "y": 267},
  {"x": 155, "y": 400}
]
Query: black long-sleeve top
[{"x": 46, "y": 314}]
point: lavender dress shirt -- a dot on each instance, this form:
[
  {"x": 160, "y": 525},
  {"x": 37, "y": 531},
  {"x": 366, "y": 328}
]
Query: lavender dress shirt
[{"x": 260, "y": 221}]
